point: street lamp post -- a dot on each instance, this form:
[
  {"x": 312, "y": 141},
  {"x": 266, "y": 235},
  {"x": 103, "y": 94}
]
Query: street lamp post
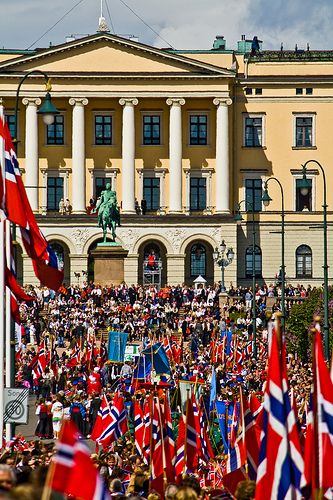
[
  {"x": 266, "y": 199},
  {"x": 48, "y": 112},
  {"x": 47, "y": 109},
  {"x": 238, "y": 218},
  {"x": 305, "y": 186},
  {"x": 223, "y": 259}
]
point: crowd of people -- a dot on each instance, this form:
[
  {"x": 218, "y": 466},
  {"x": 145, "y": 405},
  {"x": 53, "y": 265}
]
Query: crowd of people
[{"x": 70, "y": 386}]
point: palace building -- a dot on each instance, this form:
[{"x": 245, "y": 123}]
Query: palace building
[{"x": 191, "y": 133}]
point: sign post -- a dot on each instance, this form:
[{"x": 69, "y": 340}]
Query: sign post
[{"x": 16, "y": 405}]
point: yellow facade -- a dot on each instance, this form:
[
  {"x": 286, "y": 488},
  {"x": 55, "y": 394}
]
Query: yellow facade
[{"x": 288, "y": 97}]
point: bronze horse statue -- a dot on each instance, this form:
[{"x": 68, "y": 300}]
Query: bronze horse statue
[{"x": 108, "y": 212}]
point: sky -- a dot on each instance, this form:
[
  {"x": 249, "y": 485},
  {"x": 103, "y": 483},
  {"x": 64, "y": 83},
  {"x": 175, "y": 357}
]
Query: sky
[{"x": 183, "y": 24}]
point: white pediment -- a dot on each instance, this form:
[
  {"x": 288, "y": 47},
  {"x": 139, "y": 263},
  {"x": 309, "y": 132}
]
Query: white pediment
[{"x": 105, "y": 53}]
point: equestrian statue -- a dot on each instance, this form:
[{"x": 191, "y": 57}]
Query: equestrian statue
[{"x": 108, "y": 211}]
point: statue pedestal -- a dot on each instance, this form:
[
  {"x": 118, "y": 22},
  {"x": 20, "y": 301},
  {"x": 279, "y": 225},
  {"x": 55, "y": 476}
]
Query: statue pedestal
[{"x": 109, "y": 263}]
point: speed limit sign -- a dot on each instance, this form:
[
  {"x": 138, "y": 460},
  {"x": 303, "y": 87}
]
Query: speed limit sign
[{"x": 16, "y": 406}]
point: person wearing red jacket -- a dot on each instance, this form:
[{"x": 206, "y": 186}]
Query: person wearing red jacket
[{"x": 94, "y": 383}]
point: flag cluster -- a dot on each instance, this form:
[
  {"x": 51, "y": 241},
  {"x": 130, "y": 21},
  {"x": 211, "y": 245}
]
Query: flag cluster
[{"x": 16, "y": 208}]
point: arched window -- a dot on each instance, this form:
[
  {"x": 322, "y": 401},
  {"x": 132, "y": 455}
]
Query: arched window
[
  {"x": 198, "y": 260},
  {"x": 59, "y": 251},
  {"x": 257, "y": 262},
  {"x": 303, "y": 262}
]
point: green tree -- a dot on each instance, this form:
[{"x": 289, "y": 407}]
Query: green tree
[{"x": 301, "y": 320}]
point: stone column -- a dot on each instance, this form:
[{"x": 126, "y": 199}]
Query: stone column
[
  {"x": 78, "y": 200},
  {"x": 128, "y": 153},
  {"x": 175, "y": 153},
  {"x": 222, "y": 169},
  {"x": 31, "y": 150}
]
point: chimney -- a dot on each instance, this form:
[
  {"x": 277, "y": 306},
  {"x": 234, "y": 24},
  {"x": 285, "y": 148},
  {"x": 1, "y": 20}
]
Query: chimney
[{"x": 219, "y": 43}]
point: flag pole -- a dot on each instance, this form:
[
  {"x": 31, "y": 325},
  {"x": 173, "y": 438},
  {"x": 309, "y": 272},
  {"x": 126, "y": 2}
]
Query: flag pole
[
  {"x": 8, "y": 322},
  {"x": 2, "y": 285}
]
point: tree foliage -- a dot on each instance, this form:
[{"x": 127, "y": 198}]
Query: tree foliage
[{"x": 301, "y": 320}]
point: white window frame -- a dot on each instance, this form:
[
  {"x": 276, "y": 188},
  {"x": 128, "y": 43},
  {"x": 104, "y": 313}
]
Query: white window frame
[
  {"x": 95, "y": 113},
  {"x": 62, "y": 113},
  {"x": 207, "y": 174},
  {"x": 12, "y": 113},
  {"x": 110, "y": 174},
  {"x": 312, "y": 115},
  {"x": 46, "y": 172},
  {"x": 311, "y": 177},
  {"x": 152, "y": 172},
  {"x": 253, "y": 174},
  {"x": 159, "y": 113},
  {"x": 261, "y": 115},
  {"x": 196, "y": 112}
]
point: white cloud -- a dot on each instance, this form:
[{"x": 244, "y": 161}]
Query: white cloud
[{"x": 184, "y": 23}]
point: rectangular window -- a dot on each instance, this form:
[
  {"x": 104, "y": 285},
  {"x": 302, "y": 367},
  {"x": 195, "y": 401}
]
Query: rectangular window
[
  {"x": 198, "y": 130},
  {"x": 103, "y": 130},
  {"x": 299, "y": 91},
  {"x": 151, "y": 129},
  {"x": 303, "y": 200},
  {"x": 198, "y": 193},
  {"x": 55, "y": 131},
  {"x": 309, "y": 91},
  {"x": 55, "y": 192},
  {"x": 151, "y": 192},
  {"x": 253, "y": 194},
  {"x": 100, "y": 183},
  {"x": 253, "y": 132},
  {"x": 258, "y": 91},
  {"x": 10, "y": 120},
  {"x": 304, "y": 132},
  {"x": 248, "y": 91}
]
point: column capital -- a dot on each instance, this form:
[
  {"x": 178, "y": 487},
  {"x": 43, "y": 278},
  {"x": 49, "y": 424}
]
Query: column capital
[
  {"x": 175, "y": 101},
  {"x": 222, "y": 101},
  {"x": 31, "y": 101},
  {"x": 128, "y": 101},
  {"x": 78, "y": 101}
]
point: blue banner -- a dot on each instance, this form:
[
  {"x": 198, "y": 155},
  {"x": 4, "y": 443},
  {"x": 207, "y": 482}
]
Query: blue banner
[
  {"x": 159, "y": 360},
  {"x": 117, "y": 346},
  {"x": 143, "y": 368},
  {"x": 229, "y": 339},
  {"x": 224, "y": 410}
]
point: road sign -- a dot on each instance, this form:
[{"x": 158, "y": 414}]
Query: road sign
[{"x": 16, "y": 406}]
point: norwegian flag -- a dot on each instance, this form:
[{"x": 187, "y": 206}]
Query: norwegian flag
[
  {"x": 237, "y": 449},
  {"x": 249, "y": 349},
  {"x": 169, "y": 442},
  {"x": 240, "y": 355},
  {"x": 167, "y": 347},
  {"x": 17, "y": 443},
  {"x": 252, "y": 440},
  {"x": 114, "y": 424},
  {"x": 147, "y": 410},
  {"x": 17, "y": 209},
  {"x": 52, "y": 360},
  {"x": 73, "y": 472},
  {"x": 180, "y": 468},
  {"x": 192, "y": 433},
  {"x": 75, "y": 357},
  {"x": 158, "y": 463},
  {"x": 280, "y": 461},
  {"x": 138, "y": 427},
  {"x": 319, "y": 438},
  {"x": 206, "y": 452},
  {"x": 102, "y": 355},
  {"x": 103, "y": 421},
  {"x": 38, "y": 363}
]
